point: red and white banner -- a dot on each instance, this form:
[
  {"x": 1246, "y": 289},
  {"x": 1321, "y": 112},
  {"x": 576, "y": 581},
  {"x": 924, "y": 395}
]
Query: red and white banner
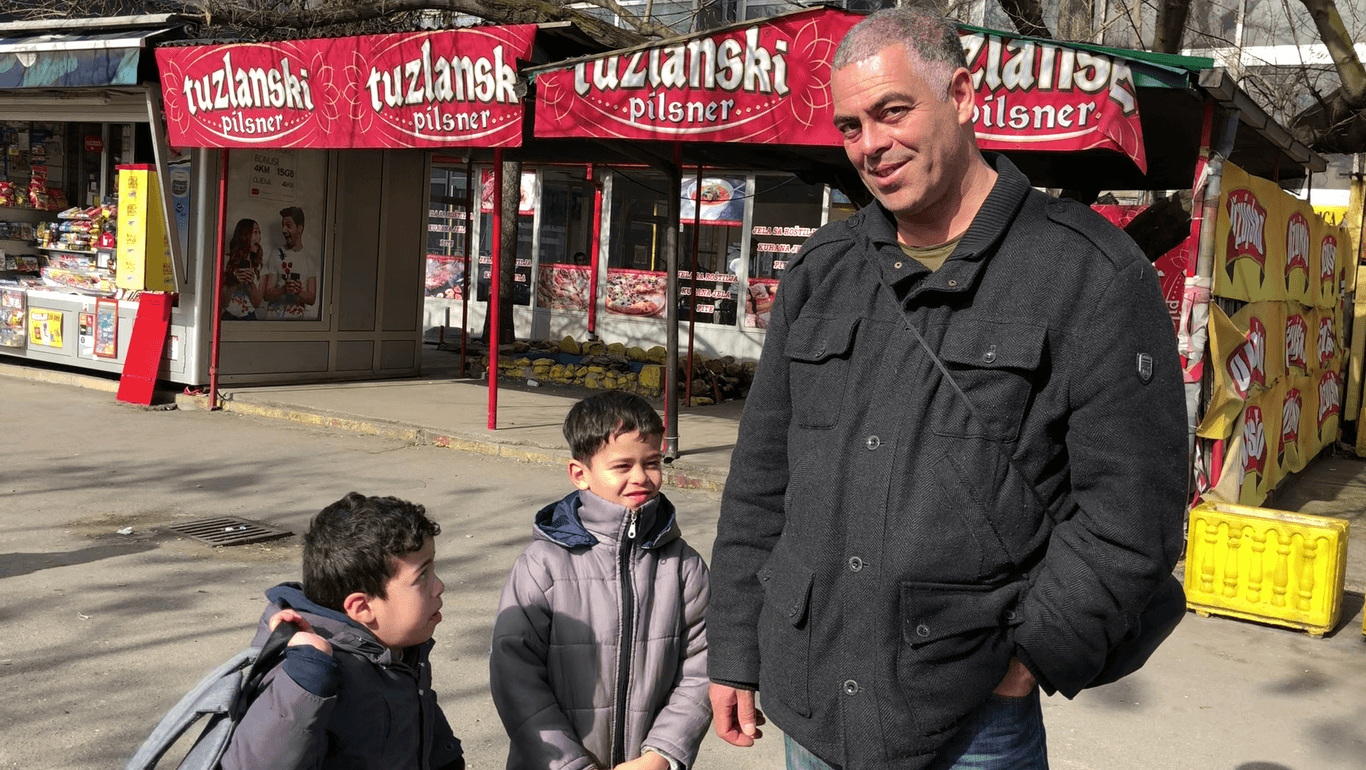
[
  {"x": 411, "y": 89},
  {"x": 1033, "y": 95},
  {"x": 766, "y": 82}
]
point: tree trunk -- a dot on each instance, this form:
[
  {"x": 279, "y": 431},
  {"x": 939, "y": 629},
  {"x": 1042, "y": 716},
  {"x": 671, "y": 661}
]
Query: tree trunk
[
  {"x": 1027, "y": 16},
  {"x": 1074, "y": 20},
  {"x": 1171, "y": 25},
  {"x": 1339, "y": 42}
]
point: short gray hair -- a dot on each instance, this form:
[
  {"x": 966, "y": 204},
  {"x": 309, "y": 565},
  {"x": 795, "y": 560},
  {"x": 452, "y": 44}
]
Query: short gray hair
[{"x": 931, "y": 42}]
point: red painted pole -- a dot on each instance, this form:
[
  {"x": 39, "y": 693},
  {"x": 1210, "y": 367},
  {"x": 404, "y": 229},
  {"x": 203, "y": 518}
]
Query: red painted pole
[
  {"x": 495, "y": 274},
  {"x": 471, "y": 263},
  {"x": 692, "y": 292},
  {"x": 218, "y": 279},
  {"x": 594, "y": 249}
]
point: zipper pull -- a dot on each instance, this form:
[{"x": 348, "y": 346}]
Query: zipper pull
[{"x": 631, "y": 529}]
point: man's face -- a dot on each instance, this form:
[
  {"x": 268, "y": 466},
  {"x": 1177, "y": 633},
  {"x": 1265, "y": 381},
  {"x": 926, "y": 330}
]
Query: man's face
[
  {"x": 411, "y": 608},
  {"x": 293, "y": 233},
  {"x": 907, "y": 144}
]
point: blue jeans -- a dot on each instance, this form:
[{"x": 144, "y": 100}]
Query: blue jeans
[{"x": 1002, "y": 734}]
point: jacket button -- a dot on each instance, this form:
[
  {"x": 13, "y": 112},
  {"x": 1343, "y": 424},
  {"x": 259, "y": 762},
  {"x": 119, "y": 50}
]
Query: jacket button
[
  {"x": 850, "y": 687},
  {"x": 897, "y": 265},
  {"x": 792, "y": 612},
  {"x": 1011, "y": 616},
  {"x": 855, "y": 564},
  {"x": 952, "y": 283},
  {"x": 873, "y": 443},
  {"x": 990, "y": 355},
  {"x": 820, "y": 351},
  {"x": 922, "y": 630}
]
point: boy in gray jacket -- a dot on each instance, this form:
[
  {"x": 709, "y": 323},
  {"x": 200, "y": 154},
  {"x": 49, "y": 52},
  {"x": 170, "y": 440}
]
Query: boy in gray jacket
[
  {"x": 599, "y": 656},
  {"x": 355, "y": 687}
]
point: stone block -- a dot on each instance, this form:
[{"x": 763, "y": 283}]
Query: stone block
[{"x": 570, "y": 345}]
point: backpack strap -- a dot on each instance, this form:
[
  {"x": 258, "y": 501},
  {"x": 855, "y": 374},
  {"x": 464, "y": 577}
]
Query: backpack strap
[{"x": 272, "y": 652}]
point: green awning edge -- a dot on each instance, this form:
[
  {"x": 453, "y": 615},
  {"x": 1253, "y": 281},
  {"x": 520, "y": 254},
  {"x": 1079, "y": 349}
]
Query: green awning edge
[{"x": 1155, "y": 70}]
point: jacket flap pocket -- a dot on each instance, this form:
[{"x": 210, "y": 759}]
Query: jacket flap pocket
[
  {"x": 990, "y": 345},
  {"x": 787, "y": 586},
  {"x": 931, "y": 612},
  {"x": 816, "y": 339}
]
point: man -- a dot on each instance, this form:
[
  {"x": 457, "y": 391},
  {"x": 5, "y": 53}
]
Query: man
[
  {"x": 292, "y": 286},
  {"x": 904, "y": 560}
]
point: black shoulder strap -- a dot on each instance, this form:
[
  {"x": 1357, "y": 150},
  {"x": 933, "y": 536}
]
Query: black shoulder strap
[{"x": 272, "y": 652}]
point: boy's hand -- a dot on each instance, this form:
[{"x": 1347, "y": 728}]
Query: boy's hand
[
  {"x": 305, "y": 635},
  {"x": 737, "y": 720},
  {"x": 647, "y": 761}
]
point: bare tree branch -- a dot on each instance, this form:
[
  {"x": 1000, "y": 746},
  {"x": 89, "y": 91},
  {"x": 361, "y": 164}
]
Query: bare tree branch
[
  {"x": 1339, "y": 42},
  {"x": 1027, "y": 16}
]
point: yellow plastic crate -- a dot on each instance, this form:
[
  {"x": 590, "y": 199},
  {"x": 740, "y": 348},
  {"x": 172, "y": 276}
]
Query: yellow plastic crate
[{"x": 1266, "y": 565}]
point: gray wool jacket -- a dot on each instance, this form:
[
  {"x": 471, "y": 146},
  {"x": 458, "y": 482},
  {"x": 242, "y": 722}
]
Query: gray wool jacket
[
  {"x": 600, "y": 645},
  {"x": 887, "y": 543},
  {"x": 379, "y": 713}
]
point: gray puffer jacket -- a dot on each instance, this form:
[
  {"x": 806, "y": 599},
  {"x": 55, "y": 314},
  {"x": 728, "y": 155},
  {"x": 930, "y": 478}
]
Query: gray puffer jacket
[{"x": 600, "y": 646}]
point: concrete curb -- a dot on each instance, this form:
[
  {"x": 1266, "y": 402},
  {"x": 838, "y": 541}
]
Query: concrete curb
[
  {"x": 54, "y": 377},
  {"x": 682, "y": 476}
]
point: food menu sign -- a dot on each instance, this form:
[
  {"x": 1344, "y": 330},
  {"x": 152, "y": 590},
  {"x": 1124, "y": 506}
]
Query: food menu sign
[
  {"x": 409, "y": 89},
  {"x": 1034, "y": 95},
  {"x": 762, "y": 82}
]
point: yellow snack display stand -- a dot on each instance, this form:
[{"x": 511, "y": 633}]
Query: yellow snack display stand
[
  {"x": 144, "y": 251},
  {"x": 1271, "y": 566}
]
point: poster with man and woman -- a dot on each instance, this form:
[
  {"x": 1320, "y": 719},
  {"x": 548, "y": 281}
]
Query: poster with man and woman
[{"x": 273, "y": 257}]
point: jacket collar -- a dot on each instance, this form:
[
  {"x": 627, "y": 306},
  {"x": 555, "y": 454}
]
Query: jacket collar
[
  {"x": 582, "y": 519},
  {"x": 337, "y": 627},
  {"x": 875, "y": 230}
]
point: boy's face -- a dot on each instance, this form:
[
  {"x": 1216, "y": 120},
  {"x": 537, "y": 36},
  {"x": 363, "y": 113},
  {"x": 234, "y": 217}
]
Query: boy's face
[
  {"x": 412, "y": 606},
  {"x": 627, "y": 470}
]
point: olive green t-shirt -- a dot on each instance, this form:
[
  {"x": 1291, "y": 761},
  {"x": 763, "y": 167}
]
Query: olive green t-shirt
[{"x": 932, "y": 257}]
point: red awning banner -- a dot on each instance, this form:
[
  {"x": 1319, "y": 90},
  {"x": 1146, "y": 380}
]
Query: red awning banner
[
  {"x": 412, "y": 89},
  {"x": 1038, "y": 96},
  {"x": 762, "y": 82}
]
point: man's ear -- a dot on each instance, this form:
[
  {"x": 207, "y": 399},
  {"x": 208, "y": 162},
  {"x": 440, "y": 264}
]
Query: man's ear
[
  {"x": 357, "y": 607},
  {"x": 578, "y": 474},
  {"x": 962, "y": 95}
]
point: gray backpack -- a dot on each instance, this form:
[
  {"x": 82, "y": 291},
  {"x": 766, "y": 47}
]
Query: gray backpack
[{"x": 222, "y": 697}]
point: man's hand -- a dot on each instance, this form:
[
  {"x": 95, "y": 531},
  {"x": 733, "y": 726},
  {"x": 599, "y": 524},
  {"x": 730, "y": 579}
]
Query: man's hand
[
  {"x": 305, "y": 635},
  {"x": 1017, "y": 683},
  {"x": 737, "y": 720},
  {"x": 647, "y": 761}
]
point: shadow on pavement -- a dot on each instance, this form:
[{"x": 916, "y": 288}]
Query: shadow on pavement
[{"x": 14, "y": 564}]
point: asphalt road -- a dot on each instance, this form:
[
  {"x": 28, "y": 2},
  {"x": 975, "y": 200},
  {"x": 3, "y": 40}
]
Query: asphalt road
[{"x": 103, "y": 632}]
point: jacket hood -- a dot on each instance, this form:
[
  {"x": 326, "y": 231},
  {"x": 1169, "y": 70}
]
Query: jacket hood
[
  {"x": 338, "y": 628},
  {"x": 572, "y": 521}
]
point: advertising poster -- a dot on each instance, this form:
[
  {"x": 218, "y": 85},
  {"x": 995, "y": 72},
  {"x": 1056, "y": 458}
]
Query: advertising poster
[
  {"x": 1239, "y": 359},
  {"x": 107, "y": 328},
  {"x": 1291, "y": 451},
  {"x": 563, "y": 287},
  {"x": 45, "y": 328},
  {"x": 722, "y": 200},
  {"x": 1250, "y": 471},
  {"x": 636, "y": 292},
  {"x": 273, "y": 258},
  {"x": 445, "y": 276},
  {"x": 1250, "y": 256},
  {"x": 1299, "y": 254},
  {"x": 439, "y": 88},
  {"x": 85, "y": 335},
  {"x": 526, "y": 210},
  {"x": 13, "y": 332}
]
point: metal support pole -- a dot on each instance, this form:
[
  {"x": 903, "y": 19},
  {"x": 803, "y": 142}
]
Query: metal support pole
[
  {"x": 673, "y": 213},
  {"x": 692, "y": 280},
  {"x": 471, "y": 263},
  {"x": 495, "y": 278},
  {"x": 218, "y": 278},
  {"x": 595, "y": 249}
]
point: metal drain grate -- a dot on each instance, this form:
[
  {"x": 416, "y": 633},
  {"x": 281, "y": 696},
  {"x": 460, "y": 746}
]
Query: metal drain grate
[{"x": 227, "y": 530}]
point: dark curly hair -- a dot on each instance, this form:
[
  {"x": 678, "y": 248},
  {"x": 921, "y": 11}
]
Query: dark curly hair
[
  {"x": 597, "y": 419},
  {"x": 351, "y": 546}
]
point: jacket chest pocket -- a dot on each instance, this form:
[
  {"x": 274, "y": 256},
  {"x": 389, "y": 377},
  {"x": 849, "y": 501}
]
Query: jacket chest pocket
[
  {"x": 996, "y": 366},
  {"x": 818, "y": 352}
]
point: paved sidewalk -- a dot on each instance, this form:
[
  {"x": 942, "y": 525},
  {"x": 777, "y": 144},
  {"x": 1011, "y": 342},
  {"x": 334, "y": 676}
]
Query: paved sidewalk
[{"x": 442, "y": 409}]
